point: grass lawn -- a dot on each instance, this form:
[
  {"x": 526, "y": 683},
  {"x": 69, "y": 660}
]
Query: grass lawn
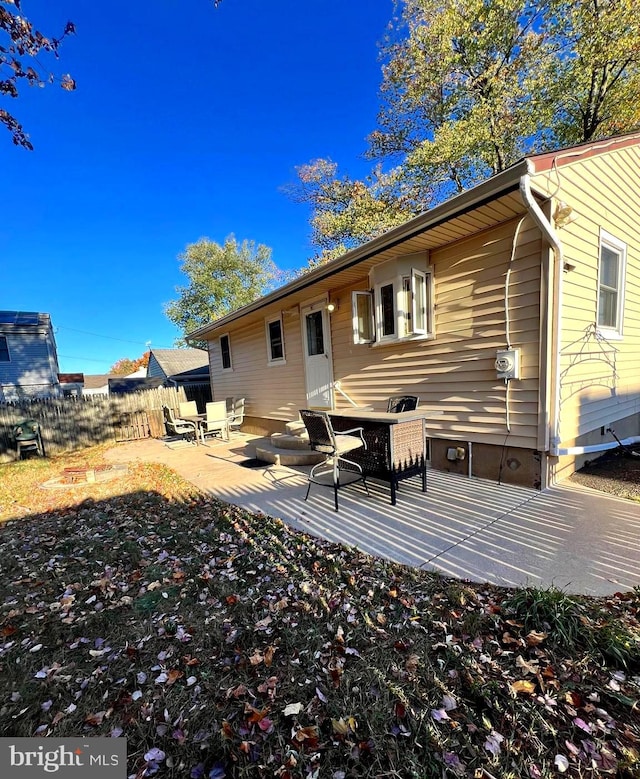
[{"x": 223, "y": 644}]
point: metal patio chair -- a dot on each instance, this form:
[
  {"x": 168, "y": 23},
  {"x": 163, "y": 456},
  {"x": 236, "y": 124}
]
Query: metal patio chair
[
  {"x": 216, "y": 421},
  {"x": 188, "y": 408},
  {"x": 235, "y": 414},
  {"x": 179, "y": 427},
  {"x": 323, "y": 439}
]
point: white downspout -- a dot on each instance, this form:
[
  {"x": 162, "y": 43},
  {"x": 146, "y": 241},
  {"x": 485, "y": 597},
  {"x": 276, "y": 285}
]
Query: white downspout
[{"x": 551, "y": 235}]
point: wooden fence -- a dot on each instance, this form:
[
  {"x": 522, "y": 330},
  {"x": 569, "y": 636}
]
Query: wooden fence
[{"x": 68, "y": 424}]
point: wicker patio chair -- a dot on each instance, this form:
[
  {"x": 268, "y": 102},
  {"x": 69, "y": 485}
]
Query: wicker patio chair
[{"x": 403, "y": 403}]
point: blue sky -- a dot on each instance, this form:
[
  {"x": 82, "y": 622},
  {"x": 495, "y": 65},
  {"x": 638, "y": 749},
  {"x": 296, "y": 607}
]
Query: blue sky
[{"x": 186, "y": 123}]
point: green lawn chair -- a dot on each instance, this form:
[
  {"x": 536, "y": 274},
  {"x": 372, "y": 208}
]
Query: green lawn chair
[{"x": 28, "y": 437}]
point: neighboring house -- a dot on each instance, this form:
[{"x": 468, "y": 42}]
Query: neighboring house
[
  {"x": 28, "y": 356},
  {"x": 512, "y": 308},
  {"x": 121, "y": 385},
  {"x": 96, "y": 383},
  {"x": 179, "y": 367},
  {"x": 112, "y": 383},
  {"x": 141, "y": 373},
  {"x": 71, "y": 384}
]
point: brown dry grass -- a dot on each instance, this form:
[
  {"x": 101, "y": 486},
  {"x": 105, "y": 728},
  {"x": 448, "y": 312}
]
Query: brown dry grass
[{"x": 22, "y": 494}]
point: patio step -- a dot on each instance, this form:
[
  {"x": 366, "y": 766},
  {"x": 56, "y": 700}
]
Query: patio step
[
  {"x": 296, "y": 428},
  {"x": 273, "y": 454},
  {"x": 284, "y": 441}
]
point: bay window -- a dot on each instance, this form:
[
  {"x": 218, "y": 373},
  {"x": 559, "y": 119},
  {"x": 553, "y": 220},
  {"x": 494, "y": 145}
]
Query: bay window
[{"x": 400, "y": 306}]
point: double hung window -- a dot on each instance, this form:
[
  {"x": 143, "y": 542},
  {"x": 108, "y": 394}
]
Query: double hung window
[
  {"x": 4, "y": 349},
  {"x": 275, "y": 341},
  {"x": 225, "y": 352},
  {"x": 611, "y": 273}
]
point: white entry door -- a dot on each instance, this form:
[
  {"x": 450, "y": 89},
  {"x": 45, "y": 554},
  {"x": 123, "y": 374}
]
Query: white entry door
[{"x": 316, "y": 346}]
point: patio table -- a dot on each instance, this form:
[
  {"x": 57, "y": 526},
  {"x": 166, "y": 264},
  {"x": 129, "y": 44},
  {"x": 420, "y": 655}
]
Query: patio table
[
  {"x": 197, "y": 420},
  {"x": 396, "y": 443}
]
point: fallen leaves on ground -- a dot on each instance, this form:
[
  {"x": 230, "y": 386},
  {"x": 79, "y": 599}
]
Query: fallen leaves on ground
[{"x": 223, "y": 644}]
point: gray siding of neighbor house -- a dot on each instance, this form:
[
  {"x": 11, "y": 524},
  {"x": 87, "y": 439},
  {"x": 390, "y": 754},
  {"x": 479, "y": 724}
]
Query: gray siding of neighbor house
[
  {"x": 154, "y": 370},
  {"x": 32, "y": 368}
]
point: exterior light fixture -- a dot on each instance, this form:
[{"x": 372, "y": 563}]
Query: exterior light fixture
[{"x": 563, "y": 215}]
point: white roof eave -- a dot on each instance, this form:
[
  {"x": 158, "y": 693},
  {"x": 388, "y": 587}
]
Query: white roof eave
[{"x": 487, "y": 190}]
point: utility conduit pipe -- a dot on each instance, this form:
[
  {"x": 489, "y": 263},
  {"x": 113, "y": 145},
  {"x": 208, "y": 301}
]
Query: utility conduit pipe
[
  {"x": 336, "y": 385},
  {"x": 551, "y": 235}
]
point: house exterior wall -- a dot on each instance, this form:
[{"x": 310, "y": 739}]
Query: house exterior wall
[
  {"x": 104, "y": 390},
  {"x": 499, "y": 427},
  {"x": 455, "y": 372},
  {"x": 599, "y": 375},
  {"x": 32, "y": 369},
  {"x": 272, "y": 392}
]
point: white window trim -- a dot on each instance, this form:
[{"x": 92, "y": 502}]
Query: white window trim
[
  {"x": 415, "y": 273},
  {"x": 398, "y": 290},
  {"x": 615, "y": 244},
  {"x": 279, "y": 360},
  {"x": 354, "y": 319},
  {"x": 228, "y": 337}
]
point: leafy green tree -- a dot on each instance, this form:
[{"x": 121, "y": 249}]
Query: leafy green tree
[
  {"x": 347, "y": 212},
  {"x": 221, "y": 278},
  {"x": 467, "y": 89},
  {"x": 459, "y": 89},
  {"x": 595, "y": 82},
  {"x": 21, "y": 49}
]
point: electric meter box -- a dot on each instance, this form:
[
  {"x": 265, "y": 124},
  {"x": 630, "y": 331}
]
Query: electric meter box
[{"x": 508, "y": 364}]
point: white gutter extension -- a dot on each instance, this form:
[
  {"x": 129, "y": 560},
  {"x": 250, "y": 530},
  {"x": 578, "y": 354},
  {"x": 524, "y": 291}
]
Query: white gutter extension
[
  {"x": 594, "y": 448},
  {"x": 551, "y": 235}
]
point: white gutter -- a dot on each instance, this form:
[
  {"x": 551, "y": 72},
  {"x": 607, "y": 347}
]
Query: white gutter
[
  {"x": 551, "y": 235},
  {"x": 489, "y": 189}
]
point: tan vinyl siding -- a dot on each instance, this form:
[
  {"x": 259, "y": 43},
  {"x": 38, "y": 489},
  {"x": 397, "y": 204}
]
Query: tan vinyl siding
[
  {"x": 600, "y": 378},
  {"x": 470, "y": 251},
  {"x": 455, "y": 371},
  {"x": 272, "y": 391}
]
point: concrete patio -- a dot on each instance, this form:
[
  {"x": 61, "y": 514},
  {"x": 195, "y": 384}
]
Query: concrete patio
[{"x": 577, "y": 539}]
